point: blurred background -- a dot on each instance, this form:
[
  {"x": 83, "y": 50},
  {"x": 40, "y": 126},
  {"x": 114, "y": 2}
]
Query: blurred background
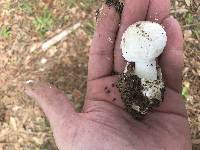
[{"x": 26, "y": 24}]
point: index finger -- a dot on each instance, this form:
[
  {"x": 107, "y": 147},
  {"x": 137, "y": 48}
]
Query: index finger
[
  {"x": 101, "y": 51},
  {"x": 134, "y": 10}
]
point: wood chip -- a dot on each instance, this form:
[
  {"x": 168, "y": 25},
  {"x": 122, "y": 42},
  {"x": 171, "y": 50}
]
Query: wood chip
[
  {"x": 13, "y": 123},
  {"x": 60, "y": 36},
  {"x": 195, "y": 141}
]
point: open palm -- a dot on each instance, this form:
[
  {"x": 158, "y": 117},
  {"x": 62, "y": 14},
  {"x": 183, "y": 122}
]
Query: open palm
[{"x": 103, "y": 123}]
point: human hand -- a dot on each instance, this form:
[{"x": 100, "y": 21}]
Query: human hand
[{"x": 103, "y": 123}]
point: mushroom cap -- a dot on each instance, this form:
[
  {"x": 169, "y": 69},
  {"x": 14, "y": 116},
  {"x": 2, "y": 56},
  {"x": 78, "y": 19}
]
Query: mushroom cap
[{"x": 143, "y": 41}]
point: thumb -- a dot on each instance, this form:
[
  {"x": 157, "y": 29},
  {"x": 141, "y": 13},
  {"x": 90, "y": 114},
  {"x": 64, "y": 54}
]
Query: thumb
[{"x": 53, "y": 102}]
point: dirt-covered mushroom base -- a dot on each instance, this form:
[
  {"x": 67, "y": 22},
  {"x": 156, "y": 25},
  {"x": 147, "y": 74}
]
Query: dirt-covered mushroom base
[{"x": 132, "y": 90}]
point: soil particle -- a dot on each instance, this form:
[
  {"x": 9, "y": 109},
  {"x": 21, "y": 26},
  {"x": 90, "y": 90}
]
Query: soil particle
[
  {"x": 137, "y": 25},
  {"x": 2, "y": 113},
  {"x": 114, "y": 99},
  {"x": 138, "y": 105},
  {"x": 113, "y": 84},
  {"x": 107, "y": 90},
  {"x": 117, "y": 4},
  {"x": 97, "y": 14}
]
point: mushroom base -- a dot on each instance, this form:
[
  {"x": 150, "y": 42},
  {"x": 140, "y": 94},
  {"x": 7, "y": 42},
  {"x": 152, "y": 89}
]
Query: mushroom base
[{"x": 132, "y": 90}]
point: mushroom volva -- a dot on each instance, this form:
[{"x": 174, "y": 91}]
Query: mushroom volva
[{"x": 141, "y": 84}]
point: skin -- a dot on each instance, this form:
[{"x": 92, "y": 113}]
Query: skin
[{"x": 103, "y": 124}]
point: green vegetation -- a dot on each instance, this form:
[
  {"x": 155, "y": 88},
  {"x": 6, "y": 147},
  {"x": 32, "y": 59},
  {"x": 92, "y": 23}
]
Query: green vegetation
[
  {"x": 26, "y": 6},
  {"x": 5, "y": 31},
  {"x": 197, "y": 31},
  {"x": 185, "y": 92},
  {"x": 87, "y": 4},
  {"x": 194, "y": 24},
  {"x": 189, "y": 19},
  {"x": 89, "y": 27},
  {"x": 44, "y": 22},
  {"x": 71, "y": 3}
]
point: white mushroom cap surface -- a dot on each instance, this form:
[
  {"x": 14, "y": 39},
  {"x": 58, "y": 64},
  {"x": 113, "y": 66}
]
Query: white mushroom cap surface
[{"x": 143, "y": 41}]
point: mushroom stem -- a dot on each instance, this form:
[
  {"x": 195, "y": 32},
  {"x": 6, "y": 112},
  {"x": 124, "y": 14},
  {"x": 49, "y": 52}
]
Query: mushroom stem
[
  {"x": 146, "y": 70},
  {"x": 126, "y": 68}
]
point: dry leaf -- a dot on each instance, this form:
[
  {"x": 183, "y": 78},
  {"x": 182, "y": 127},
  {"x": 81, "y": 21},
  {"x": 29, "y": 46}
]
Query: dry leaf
[
  {"x": 13, "y": 123},
  {"x": 48, "y": 2},
  {"x": 197, "y": 2},
  {"x": 76, "y": 94},
  {"x": 188, "y": 2},
  {"x": 187, "y": 34},
  {"x": 38, "y": 141},
  {"x": 196, "y": 141}
]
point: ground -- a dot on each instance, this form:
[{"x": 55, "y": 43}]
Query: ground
[{"x": 25, "y": 24}]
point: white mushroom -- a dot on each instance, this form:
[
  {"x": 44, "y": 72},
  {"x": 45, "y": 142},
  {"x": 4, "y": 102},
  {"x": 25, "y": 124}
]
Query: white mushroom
[{"x": 142, "y": 43}]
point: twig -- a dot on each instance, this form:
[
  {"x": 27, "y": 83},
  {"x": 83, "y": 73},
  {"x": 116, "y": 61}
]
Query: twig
[
  {"x": 195, "y": 141},
  {"x": 180, "y": 11},
  {"x": 60, "y": 36},
  {"x": 190, "y": 25}
]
